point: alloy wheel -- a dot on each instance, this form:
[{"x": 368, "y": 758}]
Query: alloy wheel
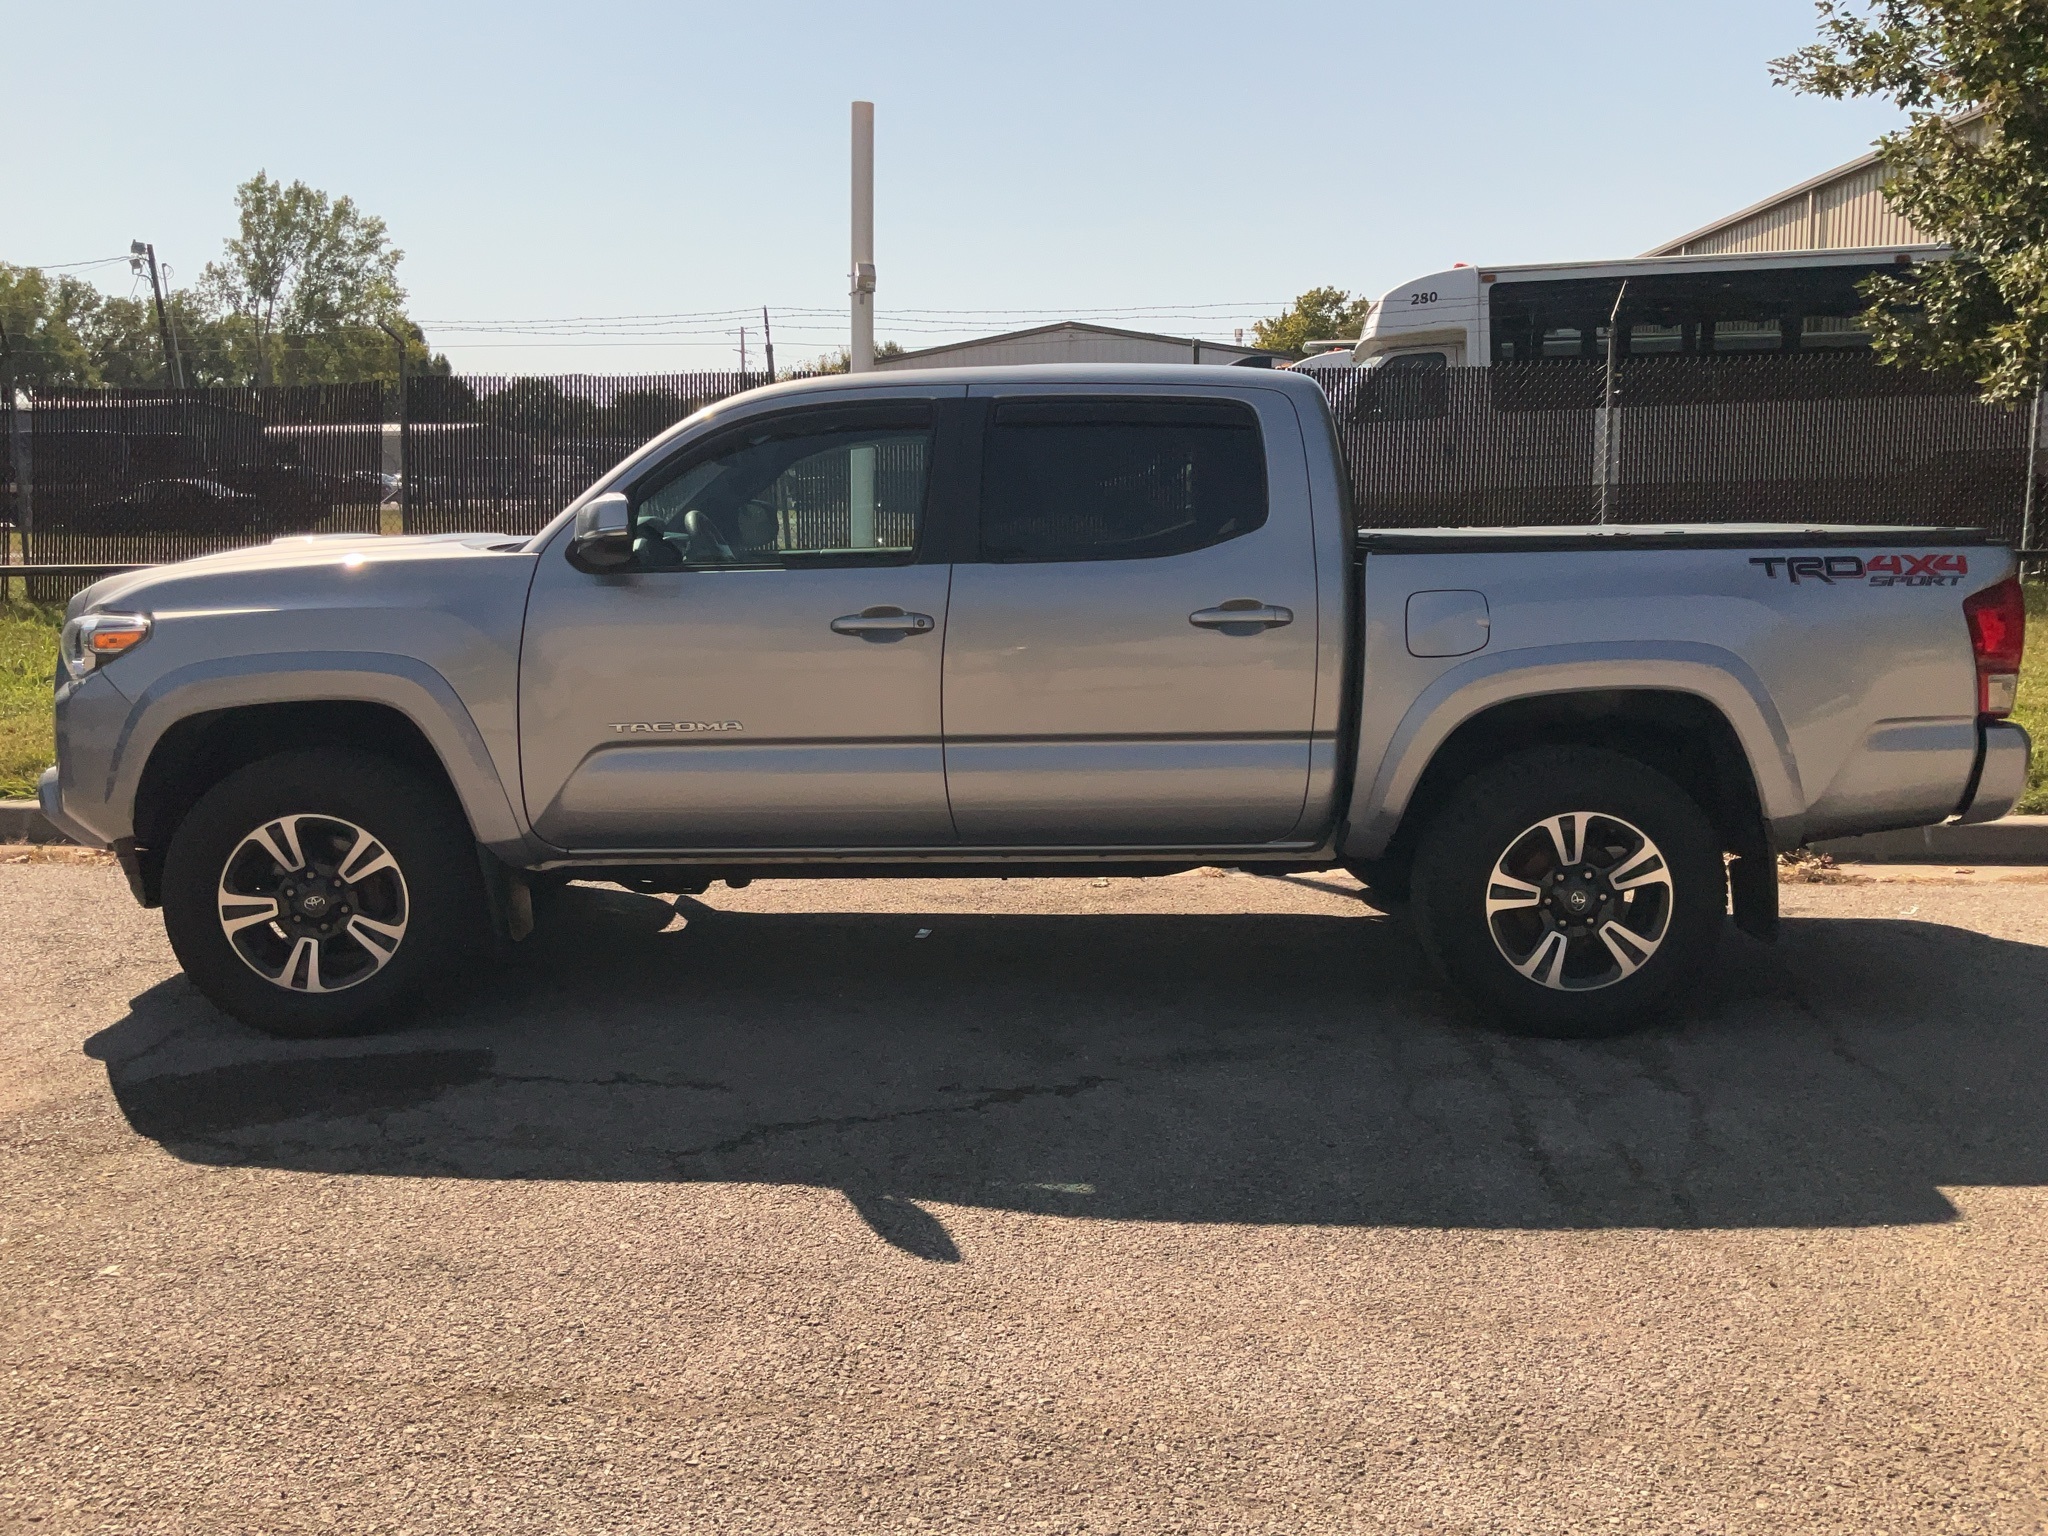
[
  {"x": 1579, "y": 901},
  {"x": 313, "y": 903}
]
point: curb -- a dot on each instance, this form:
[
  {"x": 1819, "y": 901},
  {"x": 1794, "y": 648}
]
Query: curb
[
  {"x": 2009, "y": 840},
  {"x": 22, "y": 821}
]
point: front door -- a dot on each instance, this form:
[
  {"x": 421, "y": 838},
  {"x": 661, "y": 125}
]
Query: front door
[
  {"x": 767, "y": 675},
  {"x": 1131, "y": 661}
]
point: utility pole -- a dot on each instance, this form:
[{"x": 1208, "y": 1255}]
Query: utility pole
[
  {"x": 743, "y": 353},
  {"x": 768, "y": 343},
  {"x": 140, "y": 252},
  {"x": 860, "y": 357}
]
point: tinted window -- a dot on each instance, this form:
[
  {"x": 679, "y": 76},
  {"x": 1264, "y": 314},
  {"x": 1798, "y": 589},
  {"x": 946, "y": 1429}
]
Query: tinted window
[
  {"x": 1748, "y": 309},
  {"x": 1410, "y": 386},
  {"x": 1119, "y": 480},
  {"x": 832, "y": 487}
]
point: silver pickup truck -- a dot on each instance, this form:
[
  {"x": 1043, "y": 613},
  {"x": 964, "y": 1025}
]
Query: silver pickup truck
[{"x": 1067, "y": 621}]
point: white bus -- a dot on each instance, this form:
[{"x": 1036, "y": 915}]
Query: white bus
[
  {"x": 1767, "y": 301},
  {"x": 1445, "y": 420}
]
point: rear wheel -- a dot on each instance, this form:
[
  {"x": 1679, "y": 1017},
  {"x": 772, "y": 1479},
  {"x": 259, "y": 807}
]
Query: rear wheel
[
  {"x": 318, "y": 892},
  {"x": 1570, "y": 892}
]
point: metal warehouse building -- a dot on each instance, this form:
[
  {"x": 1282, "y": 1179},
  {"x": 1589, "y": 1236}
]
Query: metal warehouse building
[
  {"x": 1841, "y": 210},
  {"x": 1073, "y": 341}
]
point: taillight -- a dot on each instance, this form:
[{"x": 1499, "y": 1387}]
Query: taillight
[{"x": 1997, "y": 617}]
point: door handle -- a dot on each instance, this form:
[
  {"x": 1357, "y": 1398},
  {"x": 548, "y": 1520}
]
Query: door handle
[
  {"x": 1242, "y": 616},
  {"x": 882, "y": 624}
]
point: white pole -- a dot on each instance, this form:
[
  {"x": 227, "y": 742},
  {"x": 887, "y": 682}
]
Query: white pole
[
  {"x": 861, "y": 355},
  {"x": 861, "y": 497},
  {"x": 1606, "y": 424}
]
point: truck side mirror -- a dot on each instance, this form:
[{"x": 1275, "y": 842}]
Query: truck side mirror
[{"x": 603, "y": 541}]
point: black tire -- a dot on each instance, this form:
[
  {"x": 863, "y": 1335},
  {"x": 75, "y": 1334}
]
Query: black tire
[
  {"x": 1614, "y": 962},
  {"x": 321, "y": 804}
]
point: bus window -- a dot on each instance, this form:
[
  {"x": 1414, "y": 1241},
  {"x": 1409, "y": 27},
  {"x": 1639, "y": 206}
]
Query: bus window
[
  {"x": 1701, "y": 312},
  {"x": 1409, "y": 386},
  {"x": 1649, "y": 340},
  {"x": 1824, "y": 332}
]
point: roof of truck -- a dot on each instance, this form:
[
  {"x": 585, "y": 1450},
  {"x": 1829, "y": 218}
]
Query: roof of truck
[{"x": 920, "y": 380}]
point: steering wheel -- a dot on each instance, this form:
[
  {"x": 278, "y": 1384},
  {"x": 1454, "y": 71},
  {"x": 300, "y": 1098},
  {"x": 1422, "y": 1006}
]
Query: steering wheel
[{"x": 703, "y": 537}]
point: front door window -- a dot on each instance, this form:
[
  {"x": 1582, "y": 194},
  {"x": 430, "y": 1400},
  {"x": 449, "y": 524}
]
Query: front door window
[{"x": 852, "y": 493}]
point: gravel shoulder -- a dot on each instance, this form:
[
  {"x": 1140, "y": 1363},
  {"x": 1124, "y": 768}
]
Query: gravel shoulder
[{"x": 1181, "y": 1205}]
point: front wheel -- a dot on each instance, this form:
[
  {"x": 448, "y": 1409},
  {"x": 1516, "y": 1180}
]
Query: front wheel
[
  {"x": 319, "y": 891},
  {"x": 1570, "y": 892}
]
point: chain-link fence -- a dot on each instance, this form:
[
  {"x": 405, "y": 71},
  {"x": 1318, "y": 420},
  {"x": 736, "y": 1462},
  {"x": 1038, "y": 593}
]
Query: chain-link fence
[
  {"x": 503, "y": 455},
  {"x": 1812, "y": 438},
  {"x": 113, "y": 477}
]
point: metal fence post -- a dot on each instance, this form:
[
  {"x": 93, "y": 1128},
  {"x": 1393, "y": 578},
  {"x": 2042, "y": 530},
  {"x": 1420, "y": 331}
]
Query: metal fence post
[
  {"x": 2033, "y": 472},
  {"x": 404, "y": 451},
  {"x": 22, "y": 447}
]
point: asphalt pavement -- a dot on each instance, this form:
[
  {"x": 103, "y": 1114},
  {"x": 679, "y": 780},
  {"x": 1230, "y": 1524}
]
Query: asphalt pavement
[{"x": 1183, "y": 1205}]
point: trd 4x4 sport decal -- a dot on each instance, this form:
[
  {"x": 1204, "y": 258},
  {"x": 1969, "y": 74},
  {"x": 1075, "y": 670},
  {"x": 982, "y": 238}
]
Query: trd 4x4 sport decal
[{"x": 1937, "y": 570}]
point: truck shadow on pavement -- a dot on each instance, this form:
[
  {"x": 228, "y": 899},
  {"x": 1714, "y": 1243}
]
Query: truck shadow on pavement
[{"x": 1246, "y": 1069}]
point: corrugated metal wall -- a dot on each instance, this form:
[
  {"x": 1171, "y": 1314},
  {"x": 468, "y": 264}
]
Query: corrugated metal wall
[
  {"x": 1836, "y": 216},
  {"x": 1065, "y": 346},
  {"x": 1846, "y": 211}
]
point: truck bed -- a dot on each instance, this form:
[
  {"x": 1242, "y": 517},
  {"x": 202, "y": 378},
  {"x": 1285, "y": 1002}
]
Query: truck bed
[{"x": 1474, "y": 541}]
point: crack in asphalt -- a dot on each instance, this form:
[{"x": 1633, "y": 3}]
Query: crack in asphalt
[
  {"x": 1659, "y": 1066},
  {"x": 1587, "y": 1100},
  {"x": 1835, "y": 1036},
  {"x": 986, "y": 1098},
  {"x": 1526, "y": 1135}
]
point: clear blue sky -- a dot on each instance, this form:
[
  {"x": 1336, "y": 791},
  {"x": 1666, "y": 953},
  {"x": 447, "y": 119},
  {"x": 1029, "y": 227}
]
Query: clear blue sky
[{"x": 608, "y": 159}]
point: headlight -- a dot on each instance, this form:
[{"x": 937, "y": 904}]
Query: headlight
[{"x": 92, "y": 639}]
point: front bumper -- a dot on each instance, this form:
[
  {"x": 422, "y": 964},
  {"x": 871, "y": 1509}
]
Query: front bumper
[
  {"x": 51, "y": 798},
  {"x": 2003, "y": 777}
]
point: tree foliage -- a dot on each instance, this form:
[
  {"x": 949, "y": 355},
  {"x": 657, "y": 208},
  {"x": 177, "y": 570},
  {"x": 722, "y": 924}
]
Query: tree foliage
[
  {"x": 301, "y": 294},
  {"x": 841, "y": 360},
  {"x": 1321, "y": 314},
  {"x": 305, "y": 282},
  {"x": 1970, "y": 168}
]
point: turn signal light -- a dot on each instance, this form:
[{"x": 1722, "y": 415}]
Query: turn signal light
[
  {"x": 92, "y": 639},
  {"x": 1997, "y": 617}
]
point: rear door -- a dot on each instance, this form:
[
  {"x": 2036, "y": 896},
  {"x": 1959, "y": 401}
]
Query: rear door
[{"x": 1131, "y": 648}]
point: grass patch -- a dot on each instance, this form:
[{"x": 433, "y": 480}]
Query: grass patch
[
  {"x": 2032, "y": 709},
  {"x": 28, "y": 660}
]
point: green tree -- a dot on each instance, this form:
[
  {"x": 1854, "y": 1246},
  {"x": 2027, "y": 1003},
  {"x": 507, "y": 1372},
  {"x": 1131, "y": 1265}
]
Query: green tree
[
  {"x": 1970, "y": 168},
  {"x": 842, "y": 359},
  {"x": 306, "y": 281},
  {"x": 50, "y": 327},
  {"x": 1321, "y": 314}
]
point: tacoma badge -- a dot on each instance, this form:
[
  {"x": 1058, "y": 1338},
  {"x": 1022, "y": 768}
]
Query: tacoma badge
[{"x": 672, "y": 727}]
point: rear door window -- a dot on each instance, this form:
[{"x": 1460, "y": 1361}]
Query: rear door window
[{"x": 1119, "y": 479}]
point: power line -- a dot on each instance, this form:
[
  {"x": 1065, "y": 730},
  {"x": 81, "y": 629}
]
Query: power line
[
  {"x": 646, "y": 323},
  {"x": 61, "y": 266},
  {"x": 801, "y": 339}
]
